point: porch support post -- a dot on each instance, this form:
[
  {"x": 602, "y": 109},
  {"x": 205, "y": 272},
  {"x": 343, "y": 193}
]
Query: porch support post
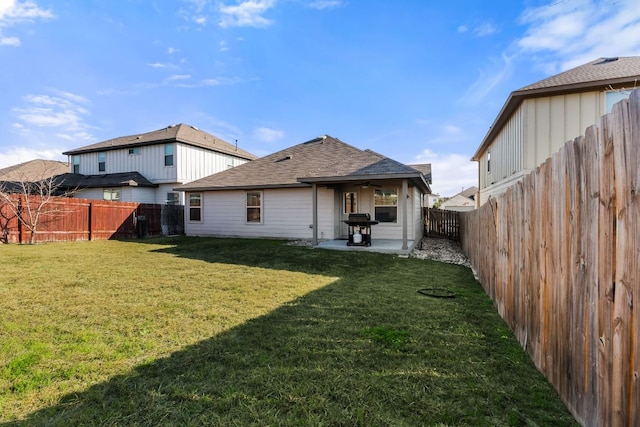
[
  {"x": 314, "y": 208},
  {"x": 405, "y": 198}
]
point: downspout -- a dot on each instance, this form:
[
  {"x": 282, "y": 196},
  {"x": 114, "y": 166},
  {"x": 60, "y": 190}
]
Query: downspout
[
  {"x": 314, "y": 208},
  {"x": 405, "y": 197}
]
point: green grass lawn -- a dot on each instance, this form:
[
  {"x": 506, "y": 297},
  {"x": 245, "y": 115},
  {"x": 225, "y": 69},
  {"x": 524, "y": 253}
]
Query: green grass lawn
[{"x": 194, "y": 331}]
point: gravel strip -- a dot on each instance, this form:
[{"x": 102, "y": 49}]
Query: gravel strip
[{"x": 443, "y": 250}]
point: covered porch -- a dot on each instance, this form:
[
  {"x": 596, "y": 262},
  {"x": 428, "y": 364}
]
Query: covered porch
[{"x": 387, "y": 246}]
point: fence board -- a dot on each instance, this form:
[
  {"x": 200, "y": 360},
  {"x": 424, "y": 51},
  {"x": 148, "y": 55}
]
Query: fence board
[
  {"x": 558, "y": 254},
  {"x": 70, "y": 219}
]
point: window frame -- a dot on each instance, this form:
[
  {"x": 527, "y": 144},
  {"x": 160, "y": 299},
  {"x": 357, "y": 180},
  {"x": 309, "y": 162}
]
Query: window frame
[
  {"x": 102, "y": 162},
  {"x": 259, "y": 207},
  {"x": 195, "y": 208},
  {"x": 75, "y": 162},
  {"x": 173, "y": 198},
  {"x": 111, "y": 191},
  {"x": 376, "y": 206},
  {"x": 134, "y": 151},
  {"x": 169, "y": 155}
]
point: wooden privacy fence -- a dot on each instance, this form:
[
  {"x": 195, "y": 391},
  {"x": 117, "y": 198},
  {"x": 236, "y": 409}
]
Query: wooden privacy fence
[
  {"x": 69, "y": 219},
  {"x": 559, "y": 254},
  {"x": 441, "y": 223}
]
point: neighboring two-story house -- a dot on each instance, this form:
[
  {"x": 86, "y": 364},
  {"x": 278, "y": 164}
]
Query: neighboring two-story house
[
  {"x": 146, "y": 167},
  {"x": 537, "y": 120}
]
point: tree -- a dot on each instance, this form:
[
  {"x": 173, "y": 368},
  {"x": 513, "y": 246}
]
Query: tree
[{"x": 29, "y": 202}]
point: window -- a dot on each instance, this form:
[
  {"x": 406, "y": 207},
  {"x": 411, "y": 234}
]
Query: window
[
  {"x": 76, "y": 164},
  {"x": 614, "y": 97},
  {"x": 168, "y": 154},
  {"x": 489, "y": 162},
  {"x": 350, "y": 203},
  {"x": 112, "y": 194},
  {"x": 172, "y": 198},
  {"x": 135, "y": 150},
  {"x": 254, "y": 206},
  {"x": 102, "y": 162},
  {"x": 195, "y": 207},
  {"x": 386, "y": 205}
]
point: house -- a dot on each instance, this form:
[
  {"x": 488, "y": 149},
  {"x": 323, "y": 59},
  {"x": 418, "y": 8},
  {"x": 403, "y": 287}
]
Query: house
[
  {"x": 537, "y": 120},
  {"x": 308, "y": 191},
  {"x": 146, "y": 167},
  {"x": 13, "y": 178},
  {"x": 463, "y": 201}
]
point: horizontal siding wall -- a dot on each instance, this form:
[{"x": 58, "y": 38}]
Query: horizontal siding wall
[{"x": 287, "y": 213}]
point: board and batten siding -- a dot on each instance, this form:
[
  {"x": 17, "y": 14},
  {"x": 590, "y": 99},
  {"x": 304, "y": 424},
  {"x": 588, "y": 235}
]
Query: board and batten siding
[
  {"x": 195, "y": 163},
  {"x": 149, "y": 163},
  {"x": 190, "y": 163},
  {"x": 536, "y": 130},
  {"x": 551, "y": 121},
  {"x": 506, "y": 151},
  {"x": 286, "y": 213}
]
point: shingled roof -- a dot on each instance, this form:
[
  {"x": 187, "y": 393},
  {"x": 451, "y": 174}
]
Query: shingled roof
[
  {"x": 33, "y": 170},
  {"x": 323, "y": 160},
  {"x": 183, "y": 133},
  {"x": 600, "y": 74},
  {"x": 123, "y": 179}
]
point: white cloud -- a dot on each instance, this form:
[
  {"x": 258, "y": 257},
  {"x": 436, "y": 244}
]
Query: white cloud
[
  {"x": 267, "y": 135},
  {"x": 16, "y": 155},
  {"x": 484, "y": 30},
  {"x": 10, "y": 41},
  {"x": 450, "y": 172},
  {"x": 569, "y": 33},
  {"x": 463, "y": 29},
  {"x": 248, "y": 13},
  {"x": 222, "y": 46},
  {"x": 62, "y": 110},
  {"x": 325, "y": 4},
  {"x": 14, "y": 12},
  {"x": 489, "y": 77}
]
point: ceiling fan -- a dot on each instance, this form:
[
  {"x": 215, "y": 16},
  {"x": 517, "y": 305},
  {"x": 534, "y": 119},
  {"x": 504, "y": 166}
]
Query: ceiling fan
[{"x": 367, "y": 184}]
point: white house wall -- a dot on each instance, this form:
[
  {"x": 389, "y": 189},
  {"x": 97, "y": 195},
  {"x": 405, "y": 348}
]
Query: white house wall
[
  {"x": 536, "y": 130},
  {"x": 287, "y": 213},
  {"x": 195, "y": 163},
  {"x": 149, "y": 163},
  {"x": 552, "y": 121},
  {"x": 506, "y": 151}
]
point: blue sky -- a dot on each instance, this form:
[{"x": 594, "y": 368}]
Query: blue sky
[{"x": 416, "y": 80}]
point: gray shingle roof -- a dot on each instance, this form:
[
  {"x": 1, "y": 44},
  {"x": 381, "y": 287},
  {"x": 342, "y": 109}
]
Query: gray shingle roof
[
  {"x": 183, "y": 133},
  {"x": 34, "y": 170},
  {"x": 320, "y": 160},
  {"x": 595, "y": 73},
  {"x": 600, "y": 74},
  {"x": 124, "y": 179}
]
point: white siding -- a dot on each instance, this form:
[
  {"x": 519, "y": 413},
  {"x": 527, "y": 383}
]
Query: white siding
[
  {"x": 195, "y": 163},
  {"x": 552, "y": 121},
  {"x": 287, "y": 213},
  {"x": 418, "y": 222},
  {"x": 189, "y": 163},
  {"x": 127, "y": 194},
  {"x": 506, "y": 151},
  {"x": 536, "y": 130}
]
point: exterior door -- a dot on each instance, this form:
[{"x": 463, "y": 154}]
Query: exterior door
[{"x": 349, "y": 205}]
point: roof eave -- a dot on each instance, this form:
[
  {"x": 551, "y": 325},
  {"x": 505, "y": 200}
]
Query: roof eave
[
  {"x": 188, "y": 189},
  {"x": 516, "y": 98}
]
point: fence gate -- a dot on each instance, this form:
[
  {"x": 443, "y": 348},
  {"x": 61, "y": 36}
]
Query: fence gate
[{"x": 441, "y": 223}]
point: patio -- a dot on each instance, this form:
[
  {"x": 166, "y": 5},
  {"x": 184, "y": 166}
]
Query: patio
[{"x": 387, "y": 246}]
